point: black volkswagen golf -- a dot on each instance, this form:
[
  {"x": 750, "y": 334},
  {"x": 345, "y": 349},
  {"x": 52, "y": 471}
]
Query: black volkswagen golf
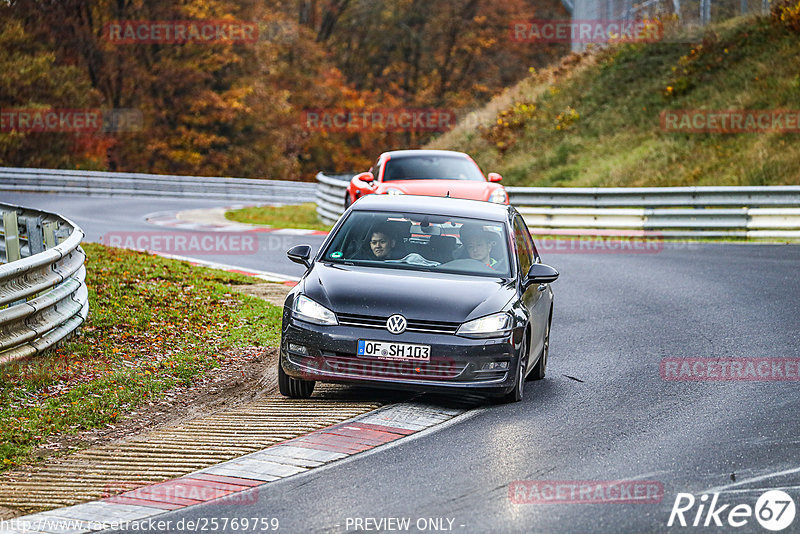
[{"x": 422, "y": 293}]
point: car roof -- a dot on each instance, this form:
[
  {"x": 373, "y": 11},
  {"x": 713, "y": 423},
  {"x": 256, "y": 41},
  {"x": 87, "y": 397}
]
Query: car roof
[
  {"x": 395, "y": 154},
  {"x": 451, "y": 207}
]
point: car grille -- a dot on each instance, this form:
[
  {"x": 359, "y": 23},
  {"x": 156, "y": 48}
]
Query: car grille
[
  {"x": 368, "y": 367},
  {"x": 371, "y": 321}
]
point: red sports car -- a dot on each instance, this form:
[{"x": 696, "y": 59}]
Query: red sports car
[{"x": 433, "y": 173}]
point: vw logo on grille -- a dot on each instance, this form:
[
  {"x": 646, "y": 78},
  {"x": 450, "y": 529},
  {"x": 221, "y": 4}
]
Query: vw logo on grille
[{"x": 396, "y": 324}]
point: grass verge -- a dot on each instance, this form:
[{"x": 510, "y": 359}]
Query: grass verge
[
  {"x": 302, "y": 216},
  {"x": 595, "y": 120},
  {"x": 154, "y": 324}
]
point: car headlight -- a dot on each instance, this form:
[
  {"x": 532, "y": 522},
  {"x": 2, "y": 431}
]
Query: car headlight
[
  {"x": 494, "y": 325},
  {"x": 308, "y": 310},
  {"x": 499, "y": 196},
  {"x": 392, "y": 191}
]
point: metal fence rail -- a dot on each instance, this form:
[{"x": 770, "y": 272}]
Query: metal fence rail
[
  {"x": 674, "y": 212},
  {"x": 657, "y": 197},
  {"x": 43, "y": 295},
  {"x": 95, "y": 183},
  {"x": 330, "y": 196}
]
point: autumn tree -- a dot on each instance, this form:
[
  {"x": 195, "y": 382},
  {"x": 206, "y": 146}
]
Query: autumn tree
[
  {"x": 32, "y": 79},
  {"x": 236, "y": 108},
  {"x": 430, "y": 52}
]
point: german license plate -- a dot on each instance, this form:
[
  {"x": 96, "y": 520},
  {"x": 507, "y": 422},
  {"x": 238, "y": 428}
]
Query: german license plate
[{"x": 394, "y": 351}]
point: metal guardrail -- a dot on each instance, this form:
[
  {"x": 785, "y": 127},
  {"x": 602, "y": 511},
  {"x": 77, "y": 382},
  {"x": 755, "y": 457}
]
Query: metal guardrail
[
  {"x": 96, "y": 183},
  {"x": 657, "y": 197},
  {"x": 330, "y": 196},
  {"x": 43, "y": 295},
  {"x": 669, "y": 212}
]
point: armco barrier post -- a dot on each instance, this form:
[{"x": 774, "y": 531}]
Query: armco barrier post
[
  {"x": 33, "y": 229},
  {"x": 11, "y": 234},
  {"x": 49, "y": 233}
]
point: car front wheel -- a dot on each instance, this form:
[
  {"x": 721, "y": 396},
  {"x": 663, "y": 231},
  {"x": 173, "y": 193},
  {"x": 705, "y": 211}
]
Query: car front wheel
[
  {"x": 541, "y": 366},
  {"x": 294, "y": 387},
  {"x": 516, "y": 394}
]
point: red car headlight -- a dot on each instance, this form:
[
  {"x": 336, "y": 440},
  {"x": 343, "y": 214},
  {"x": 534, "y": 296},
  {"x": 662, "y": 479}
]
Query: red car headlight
[{"x": 499, "y": 196}]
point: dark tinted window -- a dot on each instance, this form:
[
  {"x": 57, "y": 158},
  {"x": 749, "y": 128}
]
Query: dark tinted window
[
  {"x": 527, "y": 233},
  {"x": 376, "y": 169},
  {"x": 524, "y": 245},
  {"x": 431, "y": 167},
  {"x": 421, "y": 242}
]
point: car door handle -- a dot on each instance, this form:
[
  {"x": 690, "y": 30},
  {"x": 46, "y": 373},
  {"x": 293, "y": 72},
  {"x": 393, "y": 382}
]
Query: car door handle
[{"x": 542, "y": 287}]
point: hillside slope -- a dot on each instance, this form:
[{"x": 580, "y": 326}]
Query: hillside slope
[{"x": 595, "y": 120}]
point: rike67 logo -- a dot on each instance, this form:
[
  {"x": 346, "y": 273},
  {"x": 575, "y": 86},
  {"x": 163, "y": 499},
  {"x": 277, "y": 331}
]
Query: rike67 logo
[{"x": 774, "y": 510}]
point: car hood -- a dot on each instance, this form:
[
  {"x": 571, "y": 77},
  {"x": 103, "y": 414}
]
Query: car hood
[
  {"x": 466, "y": 189},
  {"x": 416, "y": 295}
]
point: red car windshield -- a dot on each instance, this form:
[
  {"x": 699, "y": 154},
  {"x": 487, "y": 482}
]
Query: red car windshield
[{"x": 431, "y": 168}]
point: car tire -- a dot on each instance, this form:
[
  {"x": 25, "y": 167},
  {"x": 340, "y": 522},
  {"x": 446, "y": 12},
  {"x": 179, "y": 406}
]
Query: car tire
[
  {"x": 541, "y": 366},
  {"x": 294, "y": 387},
  {"x": 516, "y": 394},
  {"x": 347, "y": 201}
]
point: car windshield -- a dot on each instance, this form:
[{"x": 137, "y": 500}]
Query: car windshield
[
  {"x": 431, "y": 167},
  {"x": 421, "y": 242}
]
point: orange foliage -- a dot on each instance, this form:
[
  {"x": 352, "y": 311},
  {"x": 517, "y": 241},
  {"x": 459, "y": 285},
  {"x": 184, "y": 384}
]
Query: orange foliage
[{"x": 236, "y": 108}]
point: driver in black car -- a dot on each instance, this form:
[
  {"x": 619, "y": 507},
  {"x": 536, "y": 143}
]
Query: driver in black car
[
  {"x": 478, "y": 243},
  {"x": 380, "y": 244}
]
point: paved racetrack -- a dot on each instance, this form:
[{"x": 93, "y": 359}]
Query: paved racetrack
[
  {"x": 617, "y": 316},
  {"x": 99, "y": 216}
]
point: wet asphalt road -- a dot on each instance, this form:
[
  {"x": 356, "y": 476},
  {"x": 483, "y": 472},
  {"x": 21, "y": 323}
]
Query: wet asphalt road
[
  {"x": 99, "y": 217},
  {"x": 617, "y": 317},
  {"x": 604, "y": 412}
]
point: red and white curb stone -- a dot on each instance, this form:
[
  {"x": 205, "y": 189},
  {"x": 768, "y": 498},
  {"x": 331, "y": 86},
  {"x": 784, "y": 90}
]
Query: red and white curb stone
[
  {"x": 216, "y": 224},
  {"x": 263, "y": 275},
  {"x": 237, "y": 481}
]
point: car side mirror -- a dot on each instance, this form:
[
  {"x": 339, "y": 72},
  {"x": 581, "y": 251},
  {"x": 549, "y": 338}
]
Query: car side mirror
[
  {"x": 539, "y": 273},
  {"x": 494, "y": 177},
  {"x": 300, "y": 254},
  {"x": 365, "y": 177}
]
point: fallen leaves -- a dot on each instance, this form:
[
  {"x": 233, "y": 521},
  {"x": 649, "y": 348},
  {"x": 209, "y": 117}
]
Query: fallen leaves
[{"x": 155, "y": 324}]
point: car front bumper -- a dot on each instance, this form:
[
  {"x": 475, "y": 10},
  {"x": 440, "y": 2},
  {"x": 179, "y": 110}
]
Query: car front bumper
[{"x": 329, "y": 354}]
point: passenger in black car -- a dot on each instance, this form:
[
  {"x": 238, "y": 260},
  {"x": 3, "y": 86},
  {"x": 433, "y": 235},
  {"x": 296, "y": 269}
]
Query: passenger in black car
[{"x": 478, "y": 244}]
